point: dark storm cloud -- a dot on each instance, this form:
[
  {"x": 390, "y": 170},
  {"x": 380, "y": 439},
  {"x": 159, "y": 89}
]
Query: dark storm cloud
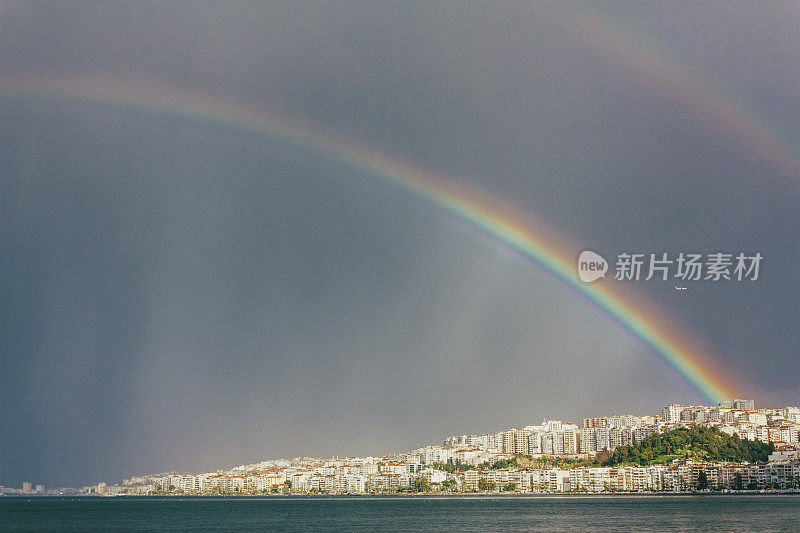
[{"x": 180, "y": 297}]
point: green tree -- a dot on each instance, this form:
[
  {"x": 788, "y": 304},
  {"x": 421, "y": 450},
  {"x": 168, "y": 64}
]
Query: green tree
[
  {"x": 702, "y": 480},
  {"x": 504, "y": 463},
  {"x": 738, "y": 482},
  {"x": 484, "y": 485},
  {"x": 509, "y": 487},
  {"x": 706, "y": 443},
  {"x": 452, "y": 466}
]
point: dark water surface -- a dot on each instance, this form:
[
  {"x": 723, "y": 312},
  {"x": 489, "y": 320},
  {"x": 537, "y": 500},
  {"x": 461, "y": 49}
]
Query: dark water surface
[{"x": 601, "y": 513}]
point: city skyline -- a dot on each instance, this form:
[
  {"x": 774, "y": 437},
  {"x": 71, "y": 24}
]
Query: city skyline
[{"x": 566, "y": 446}]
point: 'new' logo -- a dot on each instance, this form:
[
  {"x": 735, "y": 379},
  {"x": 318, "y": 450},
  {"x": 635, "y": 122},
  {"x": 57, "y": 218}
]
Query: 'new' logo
[{"x": 591, "y": 266}]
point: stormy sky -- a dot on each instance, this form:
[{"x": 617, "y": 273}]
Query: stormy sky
[{"x": 178, "y": 295}]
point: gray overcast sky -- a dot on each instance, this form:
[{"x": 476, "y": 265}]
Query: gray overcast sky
[{"x": 176, "y": 295}]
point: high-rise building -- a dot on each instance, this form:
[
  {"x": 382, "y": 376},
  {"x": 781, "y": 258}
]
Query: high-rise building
[
  {"x": 521, "y": 441},
  {"x": 596, "y": 422},
  {"x": 671, "y": 414},
  {"x": 742, "y": 405},
  {"x": 571, "y": 440},
  {"x": 509, "y": 439},
  {"x": 40, "y": 488},
  {"x": 26, "y": 486},
  {"x": 588, "y": 440},
  {"x": 535, "y": 442}
]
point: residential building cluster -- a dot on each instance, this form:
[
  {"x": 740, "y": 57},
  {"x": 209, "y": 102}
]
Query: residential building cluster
[
  {"x": 554, "y": 437},
  {"x": 735, "y": 417},
  {"x": 680, "y": 476},
  {"x": 27, "y": 488},
  {"x": 554, "y": 458}
]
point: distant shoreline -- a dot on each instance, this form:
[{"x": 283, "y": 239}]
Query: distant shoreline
[{"x": 395, "y": 496}]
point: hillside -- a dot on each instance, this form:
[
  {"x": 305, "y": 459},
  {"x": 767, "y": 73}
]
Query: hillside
[{"x": 696, "y": 442}]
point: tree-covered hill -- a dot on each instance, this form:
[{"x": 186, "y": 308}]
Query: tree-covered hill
[{"x": 697, "y": 442}]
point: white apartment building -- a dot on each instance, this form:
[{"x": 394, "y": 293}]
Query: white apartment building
[{"x": 671, "y": 414}]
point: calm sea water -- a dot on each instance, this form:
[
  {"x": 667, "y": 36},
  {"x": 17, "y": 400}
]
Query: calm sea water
[{"x": 639, "y": 513}]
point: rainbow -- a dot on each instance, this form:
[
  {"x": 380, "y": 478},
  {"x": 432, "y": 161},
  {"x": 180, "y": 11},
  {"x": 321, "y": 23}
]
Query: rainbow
[{"x": 515, "y": 229}]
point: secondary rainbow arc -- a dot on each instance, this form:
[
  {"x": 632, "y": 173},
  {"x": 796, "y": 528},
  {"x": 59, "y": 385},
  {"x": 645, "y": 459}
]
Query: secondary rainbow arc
[
  {"x": 764, "y": 138},
  {"x": 515, "y": 229}
]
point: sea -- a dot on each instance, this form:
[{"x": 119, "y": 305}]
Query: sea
[{"x": 757, "y": 512}]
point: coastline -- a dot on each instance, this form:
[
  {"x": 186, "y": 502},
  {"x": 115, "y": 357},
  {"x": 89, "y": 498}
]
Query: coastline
[{"x": 403, "y": 496}]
